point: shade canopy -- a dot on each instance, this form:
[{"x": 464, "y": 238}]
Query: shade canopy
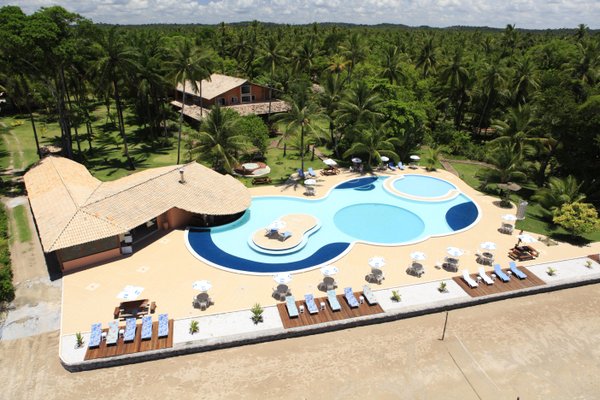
[
  {"x": 385, "y": 159},
  {"x": 509, "y": 186},
  {"x": 202, "y": 286},
  {"x": 488, "y": 245},
  {"x": 329, "y": 270},
  {"x": 330, "y": 162},
  {"x": 526, "y": 238},
  {"x": 356, "y": 160},
  {"x": 455, "y": 251},
  {"x": 276, "y": 225},
  {"x": 415, "y": 157},
  {"x": 310, "y": 182},
  {"x": 509, "y": 217},
  {"x": 282, "y": 278},
  {"x": 377, "y": 262},
  {"x": 417, "y": 255}
]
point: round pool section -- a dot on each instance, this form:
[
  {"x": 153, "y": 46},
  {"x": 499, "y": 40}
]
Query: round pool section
[
  {"x": 379, "y": 223},
  {"x": 423, "y": 186}
]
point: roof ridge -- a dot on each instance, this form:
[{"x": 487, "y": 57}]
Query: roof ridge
[
  {"x": 176, "y": 167},
  {"x": 65, "y": 185}
]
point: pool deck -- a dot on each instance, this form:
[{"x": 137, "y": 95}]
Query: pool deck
[{"x": 166, "y": 271}]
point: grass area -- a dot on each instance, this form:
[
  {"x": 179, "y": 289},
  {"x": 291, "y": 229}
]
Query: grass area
[
  {"x": 534, "y": 220},
  {"x": 22, "y": 131},
  {"x": 22, "y": 224},
  {"x": 7, "y": 290}
]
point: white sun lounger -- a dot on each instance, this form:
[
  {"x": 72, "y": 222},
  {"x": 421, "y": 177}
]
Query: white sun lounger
[
  {"x": 467, "y": 278},
  {"x": 95, "y": 335},
  {"x": 290, "y": 304},
  {"x": 486, "y": 278},
  {"x": 310, "y": 303},
  {"x": 333, "y": 301},
  {"x": 350, "y": 297},
  {"x": 369, "y": 295},
  {"x": 113, "y": 332},
  {"x": 146, "y": 327},
  {"x": 129, "y": 334},
  {"x": 163, "y": 325}
]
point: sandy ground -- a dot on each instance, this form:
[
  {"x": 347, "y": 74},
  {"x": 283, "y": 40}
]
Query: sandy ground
[{"x": 538, "y": 347}]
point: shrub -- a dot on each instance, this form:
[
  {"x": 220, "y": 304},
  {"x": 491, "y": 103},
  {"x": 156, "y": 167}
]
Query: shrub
[
  {"x": 577, "y": 218},
  {"x": 194, "y": 326},
  {"x": 443, "y": 287},
  {"x": 78, "y": 340},
  {"x": 551, "y": 271},
  {"x": 396, "y": 296},
  {"x": 257, "y": 313}
]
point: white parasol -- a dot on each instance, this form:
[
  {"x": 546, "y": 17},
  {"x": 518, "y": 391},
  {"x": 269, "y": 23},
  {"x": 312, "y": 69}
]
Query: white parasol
[
  {"x": 276, "y": 225},
  {"x": 310, "y": 182},
  {"x": 282, "y": 278},
  {"x": 509, "y": 217},
  {"x": 488, "y": 246},
  {"x": 356, "y": 160},
  {"x": 385, "y": 159},
  {"x": 330, "y": 162},
  {"x": 526, "y": 238},
  {"x": 417, "y": 256},
  {"x": 377, "y": 262},
  {"x": 202, "y": 286},
  {"x": 455, "y": 251},
  {"x": 415, "y": 157},
  {"x": 329, "y": 270}
]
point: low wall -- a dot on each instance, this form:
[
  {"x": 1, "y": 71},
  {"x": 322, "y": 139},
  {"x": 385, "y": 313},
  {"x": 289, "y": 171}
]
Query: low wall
[
  {"x": 68, "y": 266},
  {"x": 278, "y": 334}
]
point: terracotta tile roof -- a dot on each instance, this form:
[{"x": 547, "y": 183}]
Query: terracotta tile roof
[
  {"x": 262, "y": 108},
  {"x": 72, "y": 207},
  {"x": 217, "y": 85}
]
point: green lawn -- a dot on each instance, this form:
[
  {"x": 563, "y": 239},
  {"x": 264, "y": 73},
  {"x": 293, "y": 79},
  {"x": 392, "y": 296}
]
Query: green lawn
[
  {"x": 22, "y": 224},
  {"x": 533, "y": 222}
]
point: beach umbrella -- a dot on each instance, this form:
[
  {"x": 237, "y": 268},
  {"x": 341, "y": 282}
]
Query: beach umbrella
[
  {"x": 310, "y": 182},
  {"x": 417, "y": 255},
  {"x": 276, "y": 225},
  {"x": 329, "y": 270},
  {"x": 385, "y": 159},
  {"x": 455, "y": 251},
  {"x": 377, "y": 262},
  {"x": 330, "y": 162},
  {"x": 488, "y": 246},
  {"x": 356, "y": 160},
  {"x": 282, "y": 278},
  {"x": 509, "y": 217},
  {"x": 203, "y": 286},
  {"x": 526, "y": 238},
  {"x": 415, "y": 157}
]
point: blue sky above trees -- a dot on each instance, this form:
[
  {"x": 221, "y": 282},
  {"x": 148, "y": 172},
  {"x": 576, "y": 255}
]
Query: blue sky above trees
[{"x": 538, "y": 14}]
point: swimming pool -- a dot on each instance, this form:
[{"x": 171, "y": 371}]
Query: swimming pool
[
  {"x": 358, "y": 210},
  {"x": 423, "y": 186}
]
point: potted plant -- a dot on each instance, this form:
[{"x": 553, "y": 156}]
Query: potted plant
[
  {"x": 443, "y": 287},
  {"x": 78, "y": 340},
  {"x": 194, "y": 327},
  {"x": 588, "y": 264},
  {"x": 551, "y": 271},
  {"x": 257, "y": 313},
  {"x": 396, "y": 296}
]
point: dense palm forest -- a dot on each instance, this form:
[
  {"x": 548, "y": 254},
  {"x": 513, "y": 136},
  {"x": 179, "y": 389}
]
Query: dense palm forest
[{"x": 526, "y": 103}]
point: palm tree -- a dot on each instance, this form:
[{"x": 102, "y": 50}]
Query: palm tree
[
  {"x": 559, "y": 191},
  {"x": 306, "y": 56},
  {"x": 115, "y": 62},
  {"x": 515, "y": 129},
  {"x": 271, "y": 57},
  {"x": 492, "y": 80},
  {"x": 524, "y": 80},
  {"x": 329, "y": 99},
  {"x": 458, "y": 79},
  {"x": 338, "y": 64},
  {"x": 433, "y": 157},
  {"x": 359, "y": 105},
  {"x": 427, "y": 59},
  {"x": 302, "y": 116},
  {"x": 355, "y": 51},
  {"x": 188, "y": 64},
  {"x": 218, "y": 139},
  {"x": 392, "y": 70},
  {"x": 374, "y": 143},
  {"x": 508, "y": 163}
]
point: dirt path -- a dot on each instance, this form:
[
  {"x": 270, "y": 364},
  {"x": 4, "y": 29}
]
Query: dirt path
[
  {"x": 16, "y": 153},
  {"x": 538, "y": 347}
]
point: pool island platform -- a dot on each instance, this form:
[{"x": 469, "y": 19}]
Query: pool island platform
[
  {"x": 295, "y": 225},
  {"x": 166, "y": 270}
]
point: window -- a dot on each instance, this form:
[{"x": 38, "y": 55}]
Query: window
[
  {"x": 246, "y": 89},
  {"x": 246, "y": 99},
  {"x": 234, "y": 100},
  {"x": 221, "y": 101}
]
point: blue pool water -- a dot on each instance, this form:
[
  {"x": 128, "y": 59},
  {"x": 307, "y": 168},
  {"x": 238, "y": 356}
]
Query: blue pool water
[
  {"x": 423, "y": 186},
  {"x": 359, "y": 210}
]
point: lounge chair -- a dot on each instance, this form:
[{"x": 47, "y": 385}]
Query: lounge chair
[
  {"x": 261, "y": 180},
  {"x": 129, "y": 334},
  {"x": 486, "y": 278},
  {"x": 415, "y": 269},
  {"x": 375, "y": 278},
  {"x": 329, "y": 171},
  {"x": 350, "y": 298},
  {"x": 290, "y": 304},
  {"x": 401, "y": 166},
  {"x": 500, "y": 274},
  {"x": 392, "y": 166},
  {"x": 516, "y": 271},
  {"x": 310, "y": 303},
  {"x": 95, "y": 335},
  {"x": 163, "y": 325},
  {"x": 333, "y": 301},
  {"x": 369, "y": 295},
  {"x": 467, "y": 278},
  {"x": 113, "y": 332},
  {"x": 300, "y": 173},
  {"x": 506, "y": 228},
  {"x": 285, "y": 235},
  {"x": 311, "y": 172},
  {"x": 146, "y": 327}
]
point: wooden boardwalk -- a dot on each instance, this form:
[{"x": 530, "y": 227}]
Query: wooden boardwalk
[
  {"x": 499, "y": 286},
  {"x": 136, "y": 346},
  {"x": 327, "y": 314}
]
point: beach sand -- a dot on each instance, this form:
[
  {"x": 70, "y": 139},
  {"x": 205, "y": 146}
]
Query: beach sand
[{"x": 545, "y": 346}]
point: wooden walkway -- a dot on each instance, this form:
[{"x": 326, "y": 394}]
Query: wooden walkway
[
  {"x": 136, "y": 346},
  {"x": 327, "y": 314},
  {"x": 499, "y": 286}
]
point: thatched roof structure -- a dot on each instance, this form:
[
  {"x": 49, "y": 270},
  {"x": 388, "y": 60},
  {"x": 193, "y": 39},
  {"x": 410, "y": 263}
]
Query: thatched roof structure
[
  {"x": 72, "y": 207},
  {"x": 217, "y": 85}
]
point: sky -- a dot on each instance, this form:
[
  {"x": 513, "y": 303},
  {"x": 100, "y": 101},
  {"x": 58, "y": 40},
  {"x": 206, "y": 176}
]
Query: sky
[{"x": 532, "y": 14}]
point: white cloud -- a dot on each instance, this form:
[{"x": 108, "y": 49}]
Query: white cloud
[{"x": 524, "y": 13}]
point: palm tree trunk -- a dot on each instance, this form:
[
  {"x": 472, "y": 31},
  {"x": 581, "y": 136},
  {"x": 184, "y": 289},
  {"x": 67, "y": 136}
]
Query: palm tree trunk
[
  {"x": 302, "y": 148},
  {"x": 62, "y": 73},
  {"x": 180, "y": 123},
  {"x": 122, "y": 125},
  {"x": 63, "y": 120},
  {"x": 28, "y": 105},
  {"x": 487, "y": 101}
]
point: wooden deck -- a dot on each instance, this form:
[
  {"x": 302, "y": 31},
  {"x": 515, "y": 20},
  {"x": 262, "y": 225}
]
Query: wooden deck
[
  {"x": 136, "y": 346},
  {"x": 499, "y": 286},
  {"x": 328, "y": 314}
]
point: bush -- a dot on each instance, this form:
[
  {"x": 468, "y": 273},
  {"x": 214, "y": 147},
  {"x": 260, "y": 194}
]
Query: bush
[{"x": 7, "y": 290}]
